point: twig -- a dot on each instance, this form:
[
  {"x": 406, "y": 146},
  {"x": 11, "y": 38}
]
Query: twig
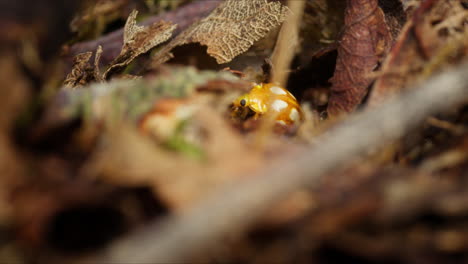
[
  {"x": 288, "y": 40},
  {"x": 112, "y": 42},
  {"x": 236, "y": 207}
]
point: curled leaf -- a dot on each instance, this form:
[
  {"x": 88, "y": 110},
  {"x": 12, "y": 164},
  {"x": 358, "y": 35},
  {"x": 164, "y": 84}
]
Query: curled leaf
[
  {"x": 139, "y": 40},
  {"x": 82, "y": 71},
  {"x": 231, "y": 29},
  {"x": 365, "y": 40}
]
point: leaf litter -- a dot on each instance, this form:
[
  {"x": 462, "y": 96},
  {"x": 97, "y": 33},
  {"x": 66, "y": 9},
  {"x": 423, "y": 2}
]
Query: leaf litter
[
  {"x": 137, "y": 40},
  {"x": 147, "y": 139}
]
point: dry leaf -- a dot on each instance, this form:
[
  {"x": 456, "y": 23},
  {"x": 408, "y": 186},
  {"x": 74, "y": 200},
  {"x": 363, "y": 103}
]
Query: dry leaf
[
  {"x": 184, "y": 16},
  {"x": 231, "y": 29},
  {"x": 81, "y": 73},
  {"x": 139, "y": 40},
  {"x": 436, "y": 35},
  {"x": 365, "y": 40},
  {"x": 97, "y": 59}
]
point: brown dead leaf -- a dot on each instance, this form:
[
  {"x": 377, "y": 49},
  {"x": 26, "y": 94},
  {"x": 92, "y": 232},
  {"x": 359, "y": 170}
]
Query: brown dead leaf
[
  {"x": 365, "y": 40},
  {"x": 436, "y": 36},
  {"x": 230, "y": 29},
  {"x": 81, "y": 73},
  {"x": 139, "y": 40}
]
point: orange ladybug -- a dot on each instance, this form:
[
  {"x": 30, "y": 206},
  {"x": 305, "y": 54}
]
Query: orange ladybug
[{"x": 269, "y": 99}]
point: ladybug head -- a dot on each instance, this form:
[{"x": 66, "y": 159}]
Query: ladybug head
[{"x": 242, "y": 101}]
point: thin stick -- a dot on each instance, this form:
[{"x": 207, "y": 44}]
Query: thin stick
[
  {"x": 287, "y": 42},
  {"x": 235, "y": 207}
]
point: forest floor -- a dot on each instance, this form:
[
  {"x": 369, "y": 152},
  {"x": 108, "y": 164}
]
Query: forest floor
[{"x": 235, "y": 131}]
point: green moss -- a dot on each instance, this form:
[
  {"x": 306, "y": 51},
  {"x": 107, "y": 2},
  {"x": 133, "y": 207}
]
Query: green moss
[
  {"x": 130, "y": 99},
  {"x": 179, "y": 143}
]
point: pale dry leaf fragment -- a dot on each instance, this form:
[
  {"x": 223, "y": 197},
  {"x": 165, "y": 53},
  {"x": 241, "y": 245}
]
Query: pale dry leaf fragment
[
  {"x": 82, "y": 71},
  {"x": 139, "y": 40},
  {"x": 97, "y": 59},
  {"x": 231, "y": 29}
]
